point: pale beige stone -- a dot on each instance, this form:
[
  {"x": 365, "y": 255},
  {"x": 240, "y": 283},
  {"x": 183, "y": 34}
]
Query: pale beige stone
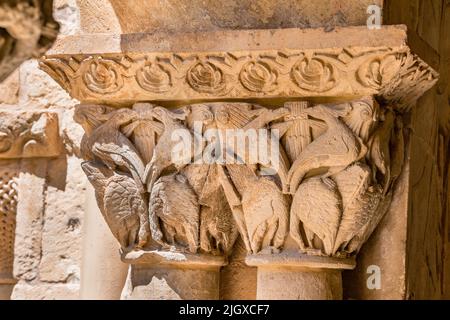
[
  {"x": 284, "y": 63},
  {"x": 49, "y": 291},
  {"x": 104, "y": 16},
  {"x": 30, "y": 211},
  {"x": 103, "y": 273}
]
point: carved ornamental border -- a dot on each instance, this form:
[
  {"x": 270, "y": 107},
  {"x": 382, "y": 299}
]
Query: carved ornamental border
[{"x": 256, "y": 66}]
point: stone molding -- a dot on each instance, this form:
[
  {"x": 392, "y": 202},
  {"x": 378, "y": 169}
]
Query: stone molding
[{"x": 258, "y": 65}]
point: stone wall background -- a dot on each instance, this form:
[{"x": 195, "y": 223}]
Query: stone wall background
[
  {"x": 51, "y": 192},
  {"x": 427, "y": 274}
]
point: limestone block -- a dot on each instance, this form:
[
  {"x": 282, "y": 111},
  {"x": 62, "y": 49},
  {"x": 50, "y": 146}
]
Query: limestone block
[
  {"x": 50, "y": 291},
  {"x": 30, "y": 212},
  {"x": 61, "y": 232},
  {"x": 183, "y": 15},
  {"x": 276, "y": 63}
]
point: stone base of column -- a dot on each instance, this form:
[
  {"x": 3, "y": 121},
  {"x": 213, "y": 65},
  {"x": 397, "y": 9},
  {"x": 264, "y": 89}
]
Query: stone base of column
[
  {"x": 159, "y": 275},
  {"x": 294, "y": 276}
]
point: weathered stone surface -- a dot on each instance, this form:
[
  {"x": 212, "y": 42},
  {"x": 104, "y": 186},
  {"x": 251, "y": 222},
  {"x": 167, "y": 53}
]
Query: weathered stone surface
[
  {"x": 103, "y": 16},
  {"x": 61, "y": 233},
  {"x": 27, "y": 30},
  {"x": 29, "y": 134},
  {"x": 10, "y": 90},
  {"x": 284, "y": 63},
  {"x": 30, "y": 214},
  {"x": 43, "y": 291},
  {"x": 9, "y": 172}
]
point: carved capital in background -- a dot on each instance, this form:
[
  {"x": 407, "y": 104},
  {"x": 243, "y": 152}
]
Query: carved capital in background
[
  {"x": 27, "y": 30},
  {"x": 29, "y": 134}
]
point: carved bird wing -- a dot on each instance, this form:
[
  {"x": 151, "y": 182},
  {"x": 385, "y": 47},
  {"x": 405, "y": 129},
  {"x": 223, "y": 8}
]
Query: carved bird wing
[
  {"x": 358, "y": 202},
  {"x": 379, "y": 149},
  {"x": 318, "y": 205},
  {"x": 174, "y": 202},
  {"x": 122, "y": 152},
  {"x": 123, "y": 204},
  {"x": 143, "y": 133}
]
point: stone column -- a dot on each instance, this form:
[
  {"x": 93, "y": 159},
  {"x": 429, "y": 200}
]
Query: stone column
[
  {"x": 159, "y": 275},
  {"x": 303, "y": 211},
  {"x": 294, "y": 276},
  {"x": 103, "y": 274}
]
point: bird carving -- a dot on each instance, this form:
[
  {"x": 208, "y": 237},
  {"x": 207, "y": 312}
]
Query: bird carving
[
  {"x": 316, "y": 209},
  {"x": 218, "y": 231},
  {"x": 108, "y": 144},
  {"x": 121, "y": 203},
  {"x": 259, "y": 208},
  {"x": 175, "y": 203},
  {"x": 335, "y": 149},
  {"x": 162, "y": 154},
  {"x": 379, "y": 148},
  {"x": 360, "y": 201}
]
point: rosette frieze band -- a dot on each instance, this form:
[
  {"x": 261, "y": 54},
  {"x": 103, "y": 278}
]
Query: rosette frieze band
[{"x": 259, "y": 64}]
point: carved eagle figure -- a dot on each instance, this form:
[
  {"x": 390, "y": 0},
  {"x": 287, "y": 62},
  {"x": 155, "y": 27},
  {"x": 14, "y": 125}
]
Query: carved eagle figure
[
  {"x": 317, "y": 208},
  {"x": 109, "y": 145},
  {"x": 360, "y": 203},
  {"x": 175, "y": 203},
  {"x": 337, "y": 148},
  {"x": 162, "y": 154},
  {"x": 259, "y": 207},
  {"x": 121, "y": 204}
]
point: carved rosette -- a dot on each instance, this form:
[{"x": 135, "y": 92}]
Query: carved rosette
[
  {"x": 314, "y": 74},
  {"x": 259, "y": 76},
  {"x": 397, "y": 75}
]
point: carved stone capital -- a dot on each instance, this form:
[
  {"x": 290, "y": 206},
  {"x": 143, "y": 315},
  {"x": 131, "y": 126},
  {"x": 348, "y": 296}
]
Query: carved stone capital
[
  {"x": 304, "y": 185},
  {"x": 29, "y": 134},
  {"x": 191, "y": 179}
]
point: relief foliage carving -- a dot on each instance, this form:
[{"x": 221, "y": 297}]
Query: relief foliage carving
[{"x": 173, "y": 179}]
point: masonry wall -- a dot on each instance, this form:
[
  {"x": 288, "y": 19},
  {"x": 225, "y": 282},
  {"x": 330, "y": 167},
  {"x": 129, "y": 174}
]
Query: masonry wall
[{"x": 50, "y": 209}]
